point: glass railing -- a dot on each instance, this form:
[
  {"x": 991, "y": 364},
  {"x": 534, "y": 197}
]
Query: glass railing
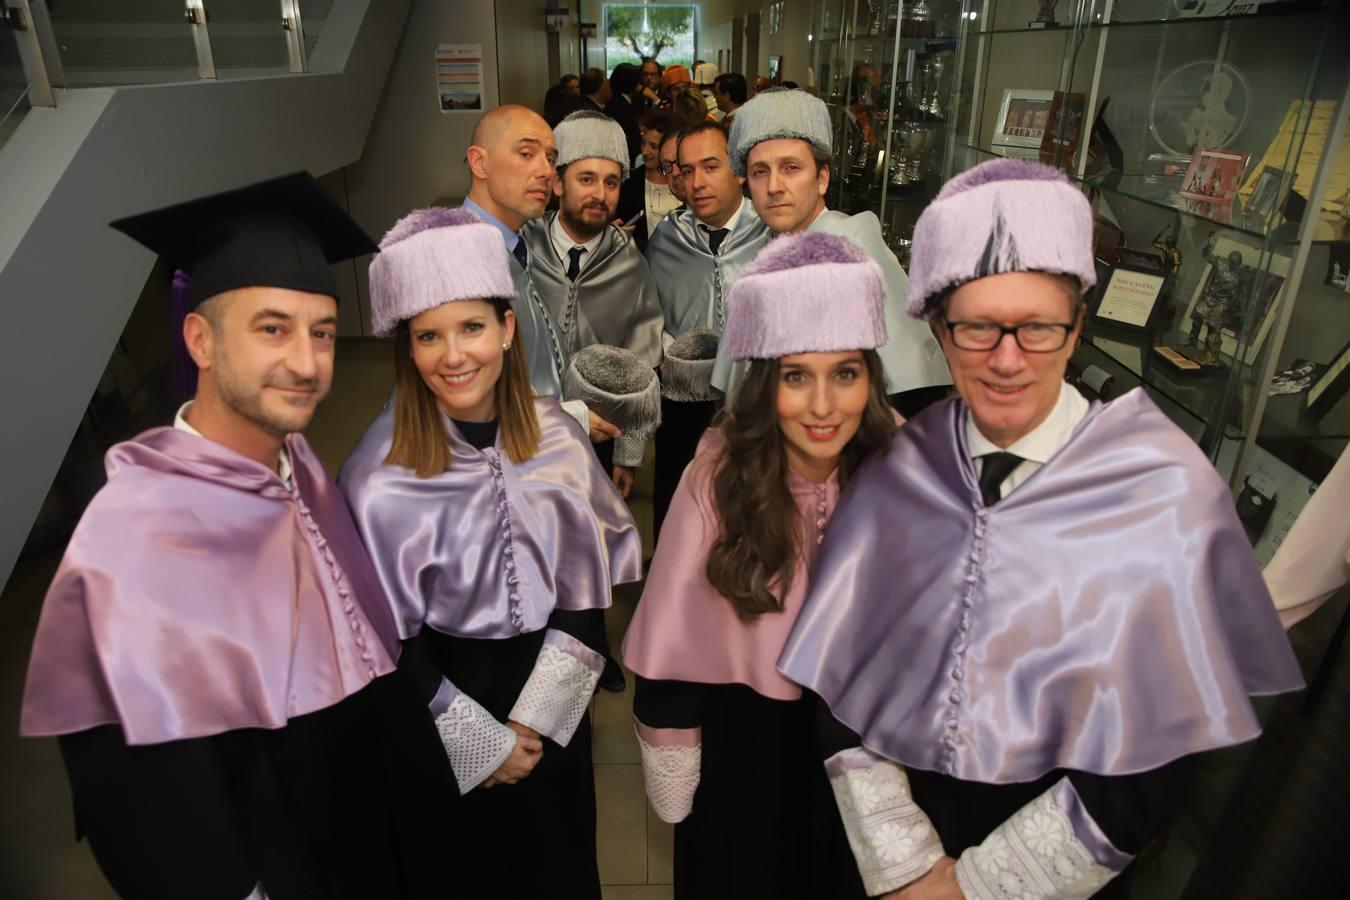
[
  {"x": 247, "y": 35},
  {"x": 104, "y": 43},
  {"x": 156, "y": 41}
]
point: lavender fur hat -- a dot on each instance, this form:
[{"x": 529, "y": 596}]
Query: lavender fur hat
[
  {"x": 587, "y": 133},
  {"x": 779, "y": 113},
  {"x": 432, "y": 256},
  {"x": 806, "y": 293},
  {"x": 1005, "y": 215}
]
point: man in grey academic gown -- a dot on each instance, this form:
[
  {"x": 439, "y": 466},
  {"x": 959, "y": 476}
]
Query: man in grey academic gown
[
  {"x": 696, "y": 253},
  {"x": 511, "y": 166},
  {"x": 780, "y": 145},
  {"x": 590, "y": 275}
]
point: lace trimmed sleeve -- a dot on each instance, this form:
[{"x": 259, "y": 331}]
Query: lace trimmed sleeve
[{"x": 559, "y": 689}]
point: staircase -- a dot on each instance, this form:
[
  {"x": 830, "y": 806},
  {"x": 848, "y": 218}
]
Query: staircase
[{"x": 134, "y": 128}]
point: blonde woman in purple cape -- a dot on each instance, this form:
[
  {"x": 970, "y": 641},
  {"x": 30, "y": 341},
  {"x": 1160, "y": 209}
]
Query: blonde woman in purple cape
[
  {"x": 728, "y": 744},
  {"x": 496, "y": 534}
]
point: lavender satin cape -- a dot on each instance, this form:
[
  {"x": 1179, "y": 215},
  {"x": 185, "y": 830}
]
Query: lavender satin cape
[
  {"x": 490, "y": 548},
  {"x": 200, "y": 595},
  {"x": 684, "y": 630},
  {"x": 1107, "y": 616}
]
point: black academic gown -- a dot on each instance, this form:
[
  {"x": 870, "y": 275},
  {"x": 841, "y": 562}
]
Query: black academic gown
[
  {"x": 764, "y": 823},
  {"x": 535, "y": 838},
  {"x": 352, "y": 802}
]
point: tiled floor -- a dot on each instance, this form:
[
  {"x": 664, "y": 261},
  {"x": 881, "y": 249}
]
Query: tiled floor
[{"x": 39, "y": 859}]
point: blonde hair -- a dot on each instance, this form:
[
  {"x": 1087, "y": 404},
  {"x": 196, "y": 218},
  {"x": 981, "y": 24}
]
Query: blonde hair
[{"x": 420, "y": 442}]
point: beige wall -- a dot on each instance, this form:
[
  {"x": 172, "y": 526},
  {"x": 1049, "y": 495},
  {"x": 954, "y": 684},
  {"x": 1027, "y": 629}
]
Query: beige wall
[{"x": 415, "y": 153}]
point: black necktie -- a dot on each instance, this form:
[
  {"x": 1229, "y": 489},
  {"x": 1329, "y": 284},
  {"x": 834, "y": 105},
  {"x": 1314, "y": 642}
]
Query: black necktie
[
  {"x": 520, "y": 253},
  {"x": 574, "y": 266},
  {"x": 997, "y": 467},
  {"x": 715, "y": 237}
]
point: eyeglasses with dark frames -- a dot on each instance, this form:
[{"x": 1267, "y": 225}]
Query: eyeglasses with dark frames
[{"x": 1032, "y": 337}]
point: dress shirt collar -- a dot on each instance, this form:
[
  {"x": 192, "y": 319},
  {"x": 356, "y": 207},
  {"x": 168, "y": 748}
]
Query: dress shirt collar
[
  {"x": 562, "y": 242},
  {"x": 508, "y": 235},
  {"x": 283, "y": 461},
  {"x": 730, "y": 225}
]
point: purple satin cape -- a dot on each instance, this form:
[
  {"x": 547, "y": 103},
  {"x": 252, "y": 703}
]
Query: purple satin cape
[
  {"x": 200, "y": 595},
  {"x": 684, "y": 630},
  {"x": 490, "y": 548},
  {"x": 1107, "y": 616}
]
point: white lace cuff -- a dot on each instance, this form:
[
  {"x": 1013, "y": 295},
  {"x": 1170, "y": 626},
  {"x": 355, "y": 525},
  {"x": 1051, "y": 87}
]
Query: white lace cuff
[
  {"x": 672, "y": 760},
  {"x": 629, "y": 448},
  {"x": 577, "y": 410},
  {"x": 559, "y": 690},
  {"x": 476, "y": 743},
  {"x": 1050, "y": 849},
  {"x": 891, "y": 837}
]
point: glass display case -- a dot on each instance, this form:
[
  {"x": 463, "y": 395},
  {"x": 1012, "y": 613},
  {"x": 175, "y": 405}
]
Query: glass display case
[
  {"x": 1210, "y": 137},
  {"x": 885, "y": 68}
]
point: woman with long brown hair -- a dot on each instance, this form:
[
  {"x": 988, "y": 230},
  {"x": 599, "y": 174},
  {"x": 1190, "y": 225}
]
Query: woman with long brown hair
[
  {"x": 728, "y": 744},
  {"x": 495, "y": 533}
]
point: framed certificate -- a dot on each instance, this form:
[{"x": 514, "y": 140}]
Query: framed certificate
[
  {"x": 1022, "y": 118},
  {"x": 1328, "y": 389},
  {"x": 1129, "y": 296}
]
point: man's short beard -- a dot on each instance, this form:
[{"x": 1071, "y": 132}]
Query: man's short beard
[
  {"x": 582, "y": 228},
  {"x": 248, "y": 404}
]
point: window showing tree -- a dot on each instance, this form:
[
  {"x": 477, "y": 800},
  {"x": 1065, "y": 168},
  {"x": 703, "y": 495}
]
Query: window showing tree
[{"x": 665, "y": 31}]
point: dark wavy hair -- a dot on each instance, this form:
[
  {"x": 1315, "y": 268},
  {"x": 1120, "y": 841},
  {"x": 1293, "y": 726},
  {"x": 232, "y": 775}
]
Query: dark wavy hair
[{"x": 759, "y": 538}]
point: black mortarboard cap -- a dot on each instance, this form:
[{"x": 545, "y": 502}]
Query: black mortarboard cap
[{"x": 283, "y": 232}]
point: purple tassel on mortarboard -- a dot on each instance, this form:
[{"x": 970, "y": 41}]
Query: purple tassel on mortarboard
[{"x": 184, "y": 375}]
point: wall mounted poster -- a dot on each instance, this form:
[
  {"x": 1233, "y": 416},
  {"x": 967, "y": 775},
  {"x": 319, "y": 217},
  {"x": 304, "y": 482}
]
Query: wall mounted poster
[{"x": 459, "y": 77}]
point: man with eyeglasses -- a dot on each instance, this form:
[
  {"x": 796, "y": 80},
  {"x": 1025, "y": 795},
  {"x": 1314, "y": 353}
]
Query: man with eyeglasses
[{"x": 1031, "y": 617}]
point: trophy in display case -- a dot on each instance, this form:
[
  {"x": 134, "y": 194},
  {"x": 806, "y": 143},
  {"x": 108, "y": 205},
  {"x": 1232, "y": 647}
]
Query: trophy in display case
[{"x": 917, "y": 20}]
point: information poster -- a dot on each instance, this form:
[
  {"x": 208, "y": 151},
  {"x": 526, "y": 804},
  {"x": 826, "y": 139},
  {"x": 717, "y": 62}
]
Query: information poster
[{"x": 459, "y": 77}]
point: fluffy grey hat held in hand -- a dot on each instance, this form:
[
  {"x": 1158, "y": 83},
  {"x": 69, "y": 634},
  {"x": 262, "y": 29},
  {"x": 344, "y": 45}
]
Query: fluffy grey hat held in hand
[
  {"x": 587, "y": 133},
  {"x": 433, "y": 256},
  {"x": 686, "y": 375},
  {"x": 1005, "y": 215},
  {"x": 779, "y": 113},
  {"x": 806, "y": 293},
  {"x": 618, "y": 385}
]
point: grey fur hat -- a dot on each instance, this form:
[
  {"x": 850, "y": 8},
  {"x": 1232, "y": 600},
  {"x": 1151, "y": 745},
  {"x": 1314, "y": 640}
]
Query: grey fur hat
[
  {"x": 618, "y": 385},
  {"x": 587, "y": 133},
  {"x": 686, "y": 375},
  {"x": 779, "y": 113}
]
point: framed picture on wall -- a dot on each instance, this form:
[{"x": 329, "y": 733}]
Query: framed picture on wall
[
  {"x": 1265, "y": 198},
  {"x": 1022, "y": 118},
  {"x": 1064, "y": 129},
  {"x": 775, "y": 70}
]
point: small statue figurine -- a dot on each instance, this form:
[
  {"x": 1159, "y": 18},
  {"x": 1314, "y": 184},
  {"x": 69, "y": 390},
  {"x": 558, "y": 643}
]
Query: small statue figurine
[
  {"x": 1045, "y": 18},
  {"x": 1166, "y": 242},
  {"x": 1218, "y": 306}
]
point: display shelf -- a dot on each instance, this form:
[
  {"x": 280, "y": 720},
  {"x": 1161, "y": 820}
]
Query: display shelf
[
  {"x": 1128, "y": 20},
  {"x": 1162, "y": 192}
]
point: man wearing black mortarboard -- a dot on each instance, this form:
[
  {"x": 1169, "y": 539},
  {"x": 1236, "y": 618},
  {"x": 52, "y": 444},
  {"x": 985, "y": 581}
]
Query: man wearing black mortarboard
[{"x": 214, "y": 653}]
